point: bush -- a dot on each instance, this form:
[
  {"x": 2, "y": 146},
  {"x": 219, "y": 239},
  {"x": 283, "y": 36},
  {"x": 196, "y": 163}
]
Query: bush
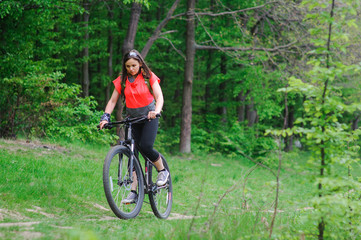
[
  {"x": 237, "y": 139},
  {"x": 37, "y": 105}
]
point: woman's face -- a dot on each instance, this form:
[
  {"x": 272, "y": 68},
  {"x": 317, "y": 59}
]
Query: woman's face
[{"x": 132, "y": 66}]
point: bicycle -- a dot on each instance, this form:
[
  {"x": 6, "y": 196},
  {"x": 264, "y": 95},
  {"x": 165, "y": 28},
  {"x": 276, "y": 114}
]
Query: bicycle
[{"x": 122, "y": 168}]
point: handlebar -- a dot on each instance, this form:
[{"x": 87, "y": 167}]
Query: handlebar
[{"x": 127, "y": 121}]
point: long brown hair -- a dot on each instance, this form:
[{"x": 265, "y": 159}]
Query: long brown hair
[{"x": 134, "y": 54}]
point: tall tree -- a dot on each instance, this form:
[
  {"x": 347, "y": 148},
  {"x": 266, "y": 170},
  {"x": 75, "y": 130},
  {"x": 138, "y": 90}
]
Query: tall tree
[
  {"x": 85, "y": 52},
  {"x": 110, "y": 51},
  {"x": 186, "y": 121},
  {"x": 128, "y": 44},
  {"x": 129, "y": 40},
  {"x": 222, "y": 89}
]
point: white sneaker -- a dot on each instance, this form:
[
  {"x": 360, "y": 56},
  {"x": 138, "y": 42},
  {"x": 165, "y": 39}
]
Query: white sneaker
[
  {"x": 162, "y": 177},
  {"x": 132, "y": 198}
]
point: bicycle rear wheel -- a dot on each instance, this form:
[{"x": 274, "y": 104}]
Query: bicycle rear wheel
[
  {"x": 117, "y": 182},
  {"x": 160, "y": 198}
]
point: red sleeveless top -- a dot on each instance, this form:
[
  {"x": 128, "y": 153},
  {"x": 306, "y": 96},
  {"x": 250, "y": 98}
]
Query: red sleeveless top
[{"x": 137, "y": 93}]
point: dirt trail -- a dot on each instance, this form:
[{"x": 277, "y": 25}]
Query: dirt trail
[{"x": 14, "y": 145}]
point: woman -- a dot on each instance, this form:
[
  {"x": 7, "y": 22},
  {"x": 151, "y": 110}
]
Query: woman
[{"x": 139, "y": 102}]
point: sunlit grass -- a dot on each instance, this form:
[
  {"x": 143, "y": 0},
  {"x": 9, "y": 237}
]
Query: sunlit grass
[{"x": 60, "y": 187}]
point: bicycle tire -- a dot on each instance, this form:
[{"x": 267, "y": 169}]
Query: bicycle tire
[
  {"x": 160, "y": 198},
  {"x": 117, "y": 183}
]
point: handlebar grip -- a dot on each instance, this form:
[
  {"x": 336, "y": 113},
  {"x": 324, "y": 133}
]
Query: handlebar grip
[{"x": 106, "y": 126}]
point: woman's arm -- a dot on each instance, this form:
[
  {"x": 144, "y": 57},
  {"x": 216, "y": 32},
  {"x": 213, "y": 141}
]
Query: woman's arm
[
  {"x": 110, "y": 106},
  {"x": 112, "y": 102},
  {"x": 158, "y": 95}
]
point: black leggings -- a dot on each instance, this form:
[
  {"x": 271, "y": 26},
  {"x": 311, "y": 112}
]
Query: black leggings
[{"x": 144, "y": 135}]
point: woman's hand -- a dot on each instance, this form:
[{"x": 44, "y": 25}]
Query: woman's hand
[
  {"x": 102, "y": 123},
  {"x": 152, "y": 114}
]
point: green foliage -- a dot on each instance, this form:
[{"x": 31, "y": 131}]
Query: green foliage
[
  {"x": 232, "y": 141},
  {"x": 52, "y": 40},
  {"x": 73, "y": 118},
  {"x": 21, "y": 102},
  {"x": 39, "y": 55},
  {"x": 167, "y": 139},
  {"x": 334, "y": 145},
  {"x": 143, "y": 2},
  {"x": 37, "y": 105}
]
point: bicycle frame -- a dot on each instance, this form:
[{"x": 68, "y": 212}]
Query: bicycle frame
[
  {"x": 131, "y": 145},
  {"x": 144, "y": 173}
]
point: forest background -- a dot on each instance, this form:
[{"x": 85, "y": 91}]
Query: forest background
[{"x": 243, "y": 78}]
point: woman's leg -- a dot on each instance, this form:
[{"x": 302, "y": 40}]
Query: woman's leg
[
  {"x": 159, "y": 164},
  {"x": 135, "y": 182},
  {"x": 145, "y": 137}
]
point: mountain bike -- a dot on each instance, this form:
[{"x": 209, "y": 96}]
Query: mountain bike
[{"x": 122, "y": 168}]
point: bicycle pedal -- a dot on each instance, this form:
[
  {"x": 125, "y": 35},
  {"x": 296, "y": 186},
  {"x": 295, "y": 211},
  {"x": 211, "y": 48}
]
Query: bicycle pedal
[{"x": 163, "y": 186}]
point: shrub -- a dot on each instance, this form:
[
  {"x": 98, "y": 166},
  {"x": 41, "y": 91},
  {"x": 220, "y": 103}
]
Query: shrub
[
  {"x": 37, "y": 105},
  {"x": 237, "y": 139}
]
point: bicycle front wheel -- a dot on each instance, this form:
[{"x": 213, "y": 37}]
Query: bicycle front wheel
[
  {"x": 118, "y": 183},
  {"x": 160, "y": 197}
]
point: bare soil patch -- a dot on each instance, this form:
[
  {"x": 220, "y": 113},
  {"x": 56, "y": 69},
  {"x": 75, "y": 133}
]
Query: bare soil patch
[
  {"x": 18, "y": 224},
  {"x": 30, "y": 235},
  {"x": 14, "y": 145},
  {"x": 177, "y": 216},
  {"x": 39, "y": 210},
  {"x": 4, "y": 213}
]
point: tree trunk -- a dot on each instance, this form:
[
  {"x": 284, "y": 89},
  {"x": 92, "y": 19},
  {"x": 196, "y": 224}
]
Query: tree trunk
[
  {"x": 355, "y": 122},
  {"x": 289, "y": 139},
  {"x": 85, "y": 54},
  {"x": 323, "y": 166},
  {"x": 222, "y": 90},
  {"x": 207, "y": 99},
  {"x": 251, "y": 114},
  {"x": 186, "y": 121},
  {"x": 207, "y": 96},
  {"x": 241, "y": 107},
  {"x": 110, "y": 51},
  {"x": 132, "y": 28},
  {"x": 128, "y": 45}
]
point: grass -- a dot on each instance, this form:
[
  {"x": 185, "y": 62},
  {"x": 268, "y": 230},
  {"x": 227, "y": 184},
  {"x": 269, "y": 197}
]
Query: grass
[{"x": 52, "y": 191}]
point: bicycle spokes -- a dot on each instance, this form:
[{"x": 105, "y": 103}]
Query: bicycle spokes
[
  {"x": 160, "y": 197},
  {"x": 121, "y": 180}
]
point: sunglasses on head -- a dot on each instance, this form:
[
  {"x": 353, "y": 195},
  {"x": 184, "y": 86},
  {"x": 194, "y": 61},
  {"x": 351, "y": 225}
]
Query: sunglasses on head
[{"x": 133, "y": 54}]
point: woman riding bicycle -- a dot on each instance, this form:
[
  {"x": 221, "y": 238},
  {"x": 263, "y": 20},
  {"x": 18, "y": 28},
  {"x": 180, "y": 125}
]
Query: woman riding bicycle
[{"x": 139, "y": 101}]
